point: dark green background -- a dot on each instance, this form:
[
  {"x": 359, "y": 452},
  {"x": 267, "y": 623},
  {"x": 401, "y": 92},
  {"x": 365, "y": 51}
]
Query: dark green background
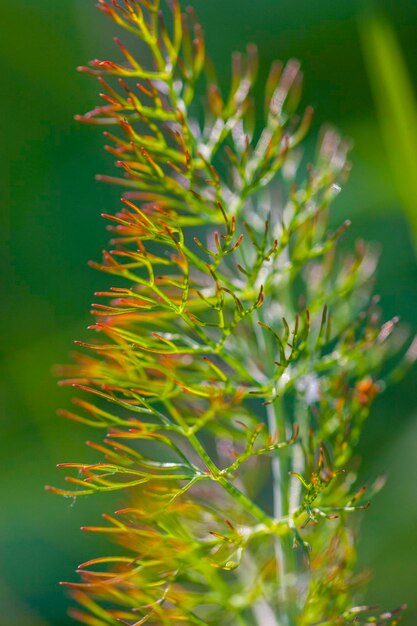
[{"x": 50, "y": 227}]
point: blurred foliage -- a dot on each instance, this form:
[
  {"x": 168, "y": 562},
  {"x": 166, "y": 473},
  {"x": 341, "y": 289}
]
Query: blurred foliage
[
  {"x": 50, "y": 226},
  {"x": 397, "y": 107}
]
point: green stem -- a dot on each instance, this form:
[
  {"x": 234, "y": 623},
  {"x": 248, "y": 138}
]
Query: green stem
[
  {"x": 274, "y": 525},
  {"x": 280, "y": 499},
  {"x": 249, "y": 506},
  {"x": 246, "y": 503}
]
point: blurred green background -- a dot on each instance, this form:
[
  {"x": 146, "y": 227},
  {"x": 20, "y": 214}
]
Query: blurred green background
[{"x": 50, "y": 227}]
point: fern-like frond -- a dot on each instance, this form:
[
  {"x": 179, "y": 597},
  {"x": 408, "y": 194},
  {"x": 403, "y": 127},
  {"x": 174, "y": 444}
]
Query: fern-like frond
[{"x": 238, "y": 348}]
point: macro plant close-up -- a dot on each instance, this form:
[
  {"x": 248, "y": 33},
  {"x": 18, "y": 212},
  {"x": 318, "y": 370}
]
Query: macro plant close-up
[{"x": 238, "y": 350}]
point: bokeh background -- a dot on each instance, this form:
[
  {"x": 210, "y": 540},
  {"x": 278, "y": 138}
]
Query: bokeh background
[{"x": 50, "y": 227}]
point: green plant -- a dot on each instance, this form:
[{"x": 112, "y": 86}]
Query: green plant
[{"x": 237, "y": 358}]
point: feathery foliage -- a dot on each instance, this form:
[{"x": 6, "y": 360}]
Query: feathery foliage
[{"x": 237, "y": 356}]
